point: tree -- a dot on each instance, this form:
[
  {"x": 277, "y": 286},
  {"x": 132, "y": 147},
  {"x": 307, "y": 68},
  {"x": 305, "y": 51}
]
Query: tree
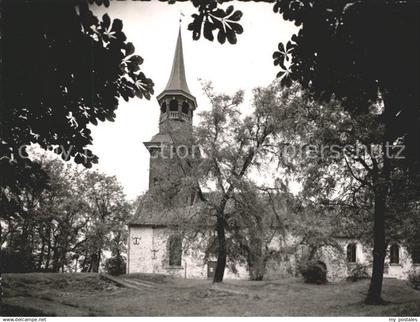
[
  {"x": 245, "y": 217},
  {"x": 76, "y": 216},
  {"x": 343, "y": 49},
  {"x": 340, "y": 160},
  {"x": 230, "y": 146},
  {"x": 48, "y": 225},
  {"x": 108, "y": 213},
  {"x": 261, "y": 219},
  {"x": 403, "y": 218},
  {"x": 63, "y": 214},
  {"x": 62, "y": 70}
]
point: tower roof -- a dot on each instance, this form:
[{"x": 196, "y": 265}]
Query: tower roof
[
  {"x": 177, "y": 83},
  {"x": 177, "y": 80}
]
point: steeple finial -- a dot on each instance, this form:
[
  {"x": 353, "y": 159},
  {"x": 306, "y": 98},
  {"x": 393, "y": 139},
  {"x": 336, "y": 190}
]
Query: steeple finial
[{"x": 180, "y": 18}]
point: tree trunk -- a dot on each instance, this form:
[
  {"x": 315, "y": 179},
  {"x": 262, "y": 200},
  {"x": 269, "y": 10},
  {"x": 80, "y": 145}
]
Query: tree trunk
[
  {"x": 256, "y": 267},
  {"x": 41, "y": 254},
  {"x": 48, "y": 256},
  {"x": 221, "y": 251},
  {"x": 63, "y": 259},
  {"x": 381, "y": 184},
  {"x": 375, "y": 287},
  {"x": 95, "y": 261},
  {"x": 90, "y": 263},
  {"x": 84, "y": 263},
  {"x": 56, "y": 250},
  {"x": 256, "y": 260},
  {"x": 25, "y": 246},
  {"x": 98, "y": 263},
  {"x": 12, "y": 230},
  {"x": 55, "y": 260}
]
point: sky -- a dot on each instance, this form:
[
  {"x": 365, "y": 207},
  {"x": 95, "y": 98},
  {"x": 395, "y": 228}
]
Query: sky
[{"x": 153, "y": 28}]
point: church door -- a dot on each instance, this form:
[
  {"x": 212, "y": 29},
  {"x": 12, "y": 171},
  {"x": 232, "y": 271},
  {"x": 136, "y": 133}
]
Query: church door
[{"x": 211, "y": 268}]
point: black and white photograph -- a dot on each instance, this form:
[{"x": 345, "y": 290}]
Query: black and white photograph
[{"x": 209, "y": 159}]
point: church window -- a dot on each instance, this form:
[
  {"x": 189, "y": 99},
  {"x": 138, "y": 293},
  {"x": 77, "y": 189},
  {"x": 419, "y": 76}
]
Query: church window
[
  {"x": 394, "y": 254},
  {"x": 175, "y": 250},
  {"x": 173, "y": 105},
  {"x": 351, "y": 253},
  {"x": 185, "y": 108},
  {"x": 163, "y": 107}
]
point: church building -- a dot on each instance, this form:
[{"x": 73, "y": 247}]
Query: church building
[{"x": 155, "y": 247}]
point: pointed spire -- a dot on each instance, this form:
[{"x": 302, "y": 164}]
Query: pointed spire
[{"x": 177, "y": 81}]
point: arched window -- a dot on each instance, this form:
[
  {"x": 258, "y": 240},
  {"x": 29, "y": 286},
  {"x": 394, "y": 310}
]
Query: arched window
[
  {"x": 351, "y": 253},
  {"x": 185, "y": 108},
  {"x": 175, "y": 250},
  {"x": 163, "y": 107},
  {"x": 394, "y": 254},
  {"x": 173, "y": 105}
]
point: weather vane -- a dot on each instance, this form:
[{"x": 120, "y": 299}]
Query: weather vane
[{"x": 181, "y": 14}]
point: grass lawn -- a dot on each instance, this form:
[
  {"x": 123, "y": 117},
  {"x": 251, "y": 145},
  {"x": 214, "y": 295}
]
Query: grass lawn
[{"x": 86, "y": 294}]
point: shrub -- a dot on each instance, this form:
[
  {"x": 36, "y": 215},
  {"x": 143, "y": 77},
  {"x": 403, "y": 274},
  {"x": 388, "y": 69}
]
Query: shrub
[
  {"x": 359, "y": 272},
  {"x": 314, "y": 272},
  {"x": 13, "y": 261},
  {"x": 414, "y": 279},
  {"x": 115, "y": 265}
]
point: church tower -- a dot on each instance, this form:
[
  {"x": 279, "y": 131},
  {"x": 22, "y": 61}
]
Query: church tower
[{"x": 174, "y": 140}]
